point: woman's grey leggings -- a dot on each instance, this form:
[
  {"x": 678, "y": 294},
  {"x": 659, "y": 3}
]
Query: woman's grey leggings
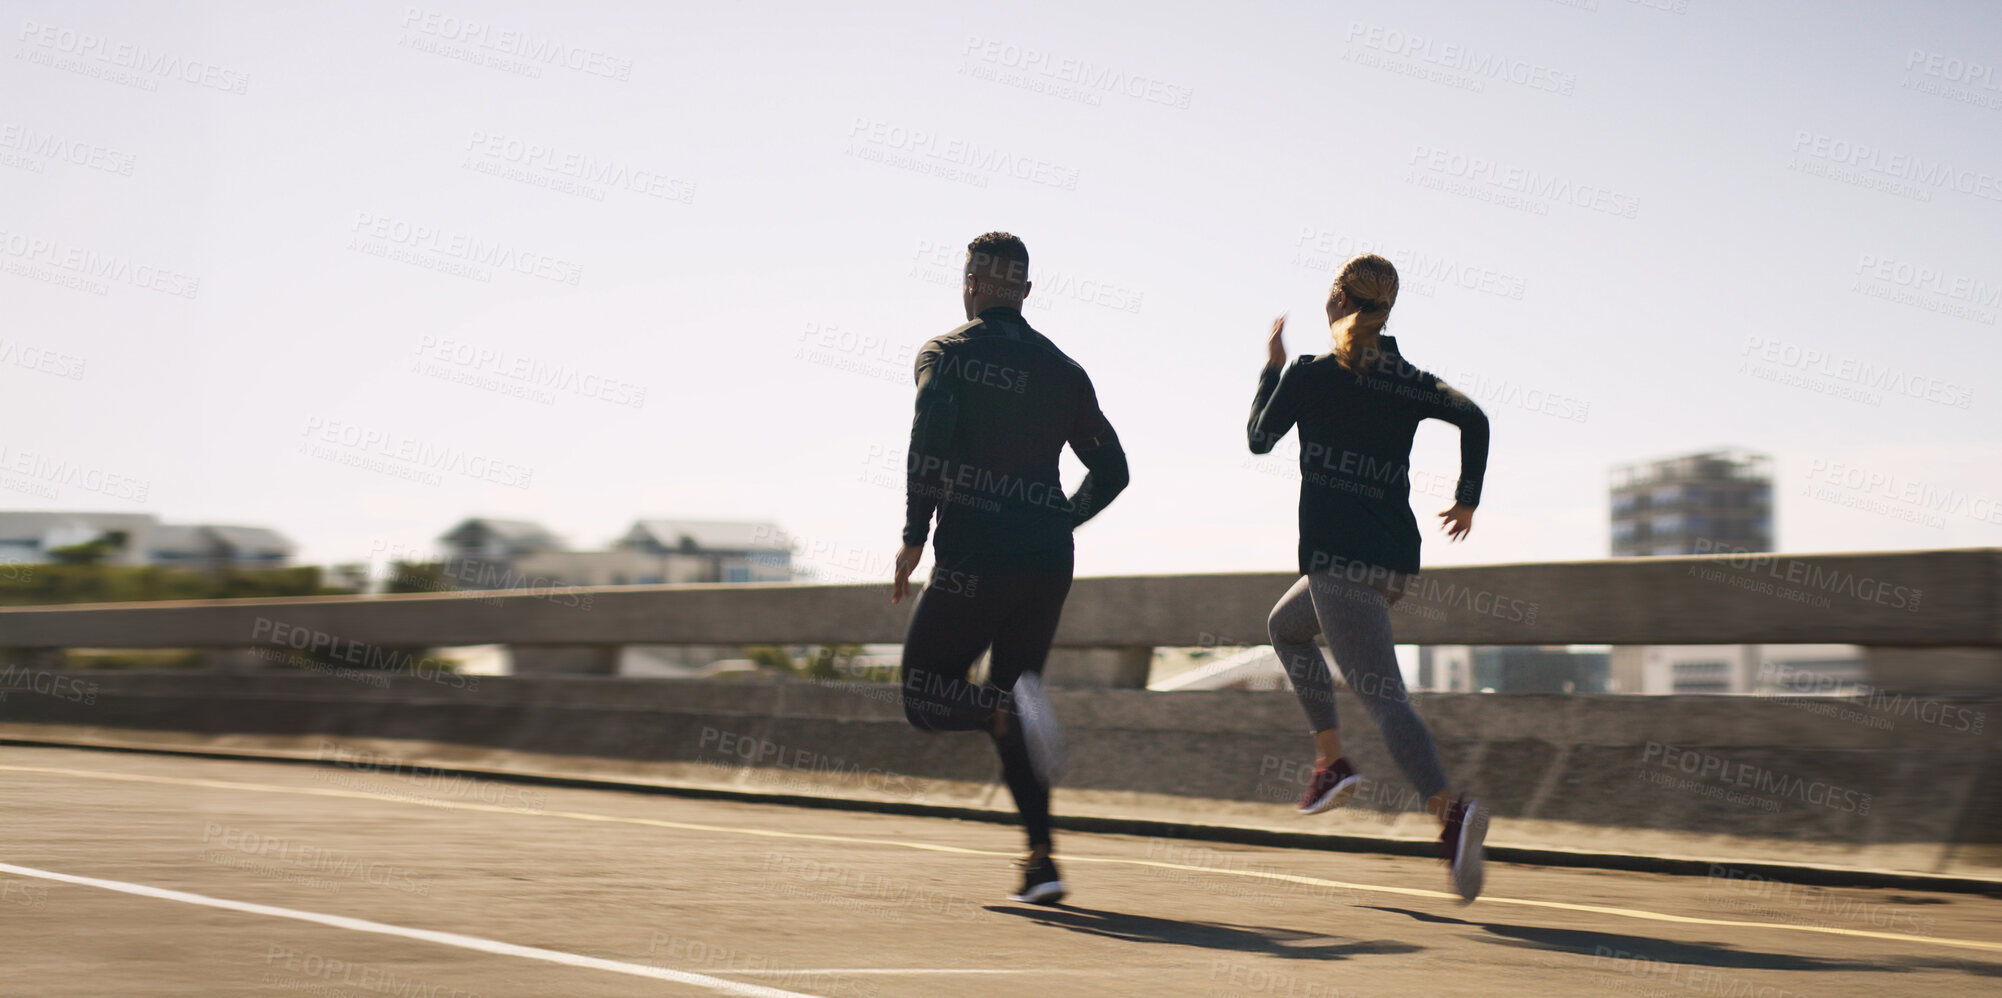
[{"x": 1356, "y": 619}]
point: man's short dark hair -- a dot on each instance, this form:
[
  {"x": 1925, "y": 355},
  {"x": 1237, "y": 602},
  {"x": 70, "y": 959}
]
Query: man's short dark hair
[{"x": 998, "y": 256}]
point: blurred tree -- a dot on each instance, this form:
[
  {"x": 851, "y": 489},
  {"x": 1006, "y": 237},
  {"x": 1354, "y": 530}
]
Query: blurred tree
[
  {"x": 770, "y": 657},
  {"x": 91, "y": 552},
  {"x": 832, "y": 662},
  {"x": 98, "y": 583}
]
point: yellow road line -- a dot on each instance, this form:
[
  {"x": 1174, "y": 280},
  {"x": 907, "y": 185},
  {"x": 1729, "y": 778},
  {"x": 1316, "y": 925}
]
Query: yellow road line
[{"x": 1633, "y": 913}]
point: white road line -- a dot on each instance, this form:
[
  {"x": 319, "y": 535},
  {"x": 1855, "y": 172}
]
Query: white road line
[{"x": 425, "y": 935}]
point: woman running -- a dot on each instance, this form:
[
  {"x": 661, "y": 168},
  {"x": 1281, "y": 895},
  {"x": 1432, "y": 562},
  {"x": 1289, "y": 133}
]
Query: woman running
[{"x": 1358, "y": 406}]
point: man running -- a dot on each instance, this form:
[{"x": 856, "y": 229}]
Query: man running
[{"x": 996, "y": 404}]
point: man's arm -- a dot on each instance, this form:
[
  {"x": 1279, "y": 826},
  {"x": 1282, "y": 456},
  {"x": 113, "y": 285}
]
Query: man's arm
[
  {"x": 1095, "y": 442},
  {"x": 932, "y": 427}
]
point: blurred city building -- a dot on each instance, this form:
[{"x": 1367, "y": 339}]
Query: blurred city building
[
  {"x": 484, "y": 553},
  {"x": 1693, "y": 504},
  {"x": 1705, "y": 503},
  {"x": 138, "y": 539},
  {"x": 1511, "y": 669}
]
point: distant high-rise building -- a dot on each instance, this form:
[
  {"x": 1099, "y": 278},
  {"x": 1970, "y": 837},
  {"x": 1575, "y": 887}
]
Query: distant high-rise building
[{"x": 1719, "y": 500}]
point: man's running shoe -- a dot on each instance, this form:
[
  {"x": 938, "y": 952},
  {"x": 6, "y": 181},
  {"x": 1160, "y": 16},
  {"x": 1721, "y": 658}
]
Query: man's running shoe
[
  {"x": 1460, "y": 844},
  {"x": 1040, "y": 732},
  {"x": 1331, "y": 787},
  {"x": 1041, "y": 884}
]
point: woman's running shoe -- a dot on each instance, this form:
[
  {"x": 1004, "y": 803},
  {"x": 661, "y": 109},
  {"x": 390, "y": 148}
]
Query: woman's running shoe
[
  {"x": 1460, "y": 844},
  {"x": 1331, "y": 787}
]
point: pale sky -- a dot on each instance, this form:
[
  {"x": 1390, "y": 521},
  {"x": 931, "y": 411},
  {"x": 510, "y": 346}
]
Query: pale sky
[{"x": 356, "y": 271}]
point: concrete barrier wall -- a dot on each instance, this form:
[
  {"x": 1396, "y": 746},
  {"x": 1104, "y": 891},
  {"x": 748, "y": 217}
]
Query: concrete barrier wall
[
  {"x": 1902, "y": 784},
  {"x": 1916, "y": 598}
]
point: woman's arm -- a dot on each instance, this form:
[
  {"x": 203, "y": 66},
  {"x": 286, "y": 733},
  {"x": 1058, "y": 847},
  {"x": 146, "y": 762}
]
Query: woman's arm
[
  {"x": 1274, "y": 408},
  {"x": 1449, "y": 404}
]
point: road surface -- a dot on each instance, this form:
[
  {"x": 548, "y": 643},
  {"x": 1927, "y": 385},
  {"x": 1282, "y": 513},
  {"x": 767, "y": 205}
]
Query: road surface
[{"x": 128, "y": 874}]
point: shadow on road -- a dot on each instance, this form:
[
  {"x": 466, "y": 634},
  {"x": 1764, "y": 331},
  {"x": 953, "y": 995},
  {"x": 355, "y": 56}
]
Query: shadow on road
[
  {"x": 1623, "y": 947},
  {"x": 1287, "y": 943}
]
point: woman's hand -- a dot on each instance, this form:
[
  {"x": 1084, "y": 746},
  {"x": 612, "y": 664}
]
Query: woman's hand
[
  {"x": 1275, "y": 347},
  {"x": 1459, "y": 521},
  {"x": 907, "y": 562}
]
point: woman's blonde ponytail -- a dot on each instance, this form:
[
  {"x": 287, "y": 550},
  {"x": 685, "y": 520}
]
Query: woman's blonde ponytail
[{"x": 1370, "y": 282}]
